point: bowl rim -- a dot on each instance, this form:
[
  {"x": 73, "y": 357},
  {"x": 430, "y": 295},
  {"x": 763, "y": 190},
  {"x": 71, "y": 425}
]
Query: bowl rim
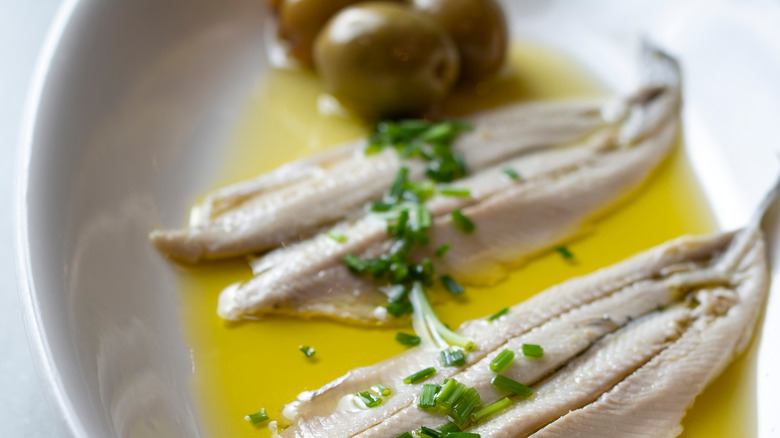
[{"x": 46, "y": 370}]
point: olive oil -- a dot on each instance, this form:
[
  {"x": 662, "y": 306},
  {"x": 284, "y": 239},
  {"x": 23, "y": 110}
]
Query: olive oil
[{"x": 240, "y": 368}]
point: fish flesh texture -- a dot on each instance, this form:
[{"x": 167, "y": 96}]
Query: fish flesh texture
[
  {"x": 563, "y": 187},
  {"x": 297, "y": 200},
  {"x": 626, "y": 351}
]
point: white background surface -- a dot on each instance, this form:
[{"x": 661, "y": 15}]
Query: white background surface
[{"x": 24, "y": 412}]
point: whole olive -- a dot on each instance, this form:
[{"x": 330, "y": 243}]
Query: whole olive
[
  {"x": 385, "y": 59},
  {"x": 479, "y": 29},
  {"x": 301, "y": 20}
]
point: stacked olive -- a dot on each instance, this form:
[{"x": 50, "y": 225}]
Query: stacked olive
[{"x": 388, "y": 59}]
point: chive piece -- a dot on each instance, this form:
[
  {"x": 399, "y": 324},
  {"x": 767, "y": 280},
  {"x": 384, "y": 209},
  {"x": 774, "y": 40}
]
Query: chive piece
[
  {"x": 423, "y": 218},
  {"x": 428, "y": 396},
  {"x": 443, "y": 250},
  {"x": 257, "y": 417},
  {"x": 306, "y": 350},
  {"x": 453, "y": 286},
  {"x": 498, "y": 314},
  {"x": 465, "y": 406},
  {"x": 399, "y": 308},
  {"x": 338, "y": 237},
  {"x": 462, "y": 222},
  {"x": 460, "y": 435},
  {"x": 355, "y": 263},
  {"x": 420, "y": 375},
  {"x": 533, "y": 350},
  {"x": 449, "y": 427},
  {"x": 381, "y": 389},
  {"x": 369, "y": 399},
  {"x": 407, "y": 339},
  {"x": 455, "y": 192},
  {"x": 451, "y": 391},
  {"x": 427, "y": 432},
  {"x": 500, "y": 362},
  {"x": 453, "y": 358},
  {"x": 564, "y": 252},
  {"x": 405, "y": 435},
  {"x": 397, "y": 188},
  {"x": 491, "y": 410},
  {"x": 512, "y": 174},
  {"x": 512, "y": 386}
]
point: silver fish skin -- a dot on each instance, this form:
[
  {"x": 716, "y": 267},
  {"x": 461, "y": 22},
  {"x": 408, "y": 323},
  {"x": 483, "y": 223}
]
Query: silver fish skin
[
  {"x": 562, "y": 190},
  {"x": 686, "y": 278}
]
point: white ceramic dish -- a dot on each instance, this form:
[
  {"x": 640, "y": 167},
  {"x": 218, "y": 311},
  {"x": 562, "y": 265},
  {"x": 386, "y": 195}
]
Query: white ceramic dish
[{"x": 130, "y": 105}]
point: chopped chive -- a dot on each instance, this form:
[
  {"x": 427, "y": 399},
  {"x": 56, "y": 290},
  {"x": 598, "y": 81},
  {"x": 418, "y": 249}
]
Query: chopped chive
[
  {"x": 381, "y": 389},
  {"x": 462, "y": 222},
  {"x": 460, "y": 435},
  {"x": 257, "y": 417},
  {"x": 465, "y": 406},
  {"x": 355, "y": 263},
  {"x": 427, "y": 432},
  {"x": 428, "y": 396},
  {"x": 491, "y": 410},
  {"x": 399, "y": 308},
  {"x": 512, "y": 386},
  {"x": 449, "y": 427},
  {"x": 338, "y": 237},
  {"x": 498, "y": 314},
  {"x": 451, "y": 391},
  {"x": 533, "y": 350},
  {"x": 443, "y": 250},
  {"x": 453, "y": 286},
  {"x": 397, "y": 188},
  {"x": 420, "y": 375},
  {"x": 407, "y": 339},
  {"x": 405, "y": 435},
  {"x": 512, "y": 174},
  {"x": 370, "y": 400},
  {"x": 455, "y": 192},
  {"x": 423, "y": 218},
  {"x": 500, "y": 362},
  {"x": 564, "y": 252},
  {"x": 306, "y": 350},
  {"x": 453, "y": 358}
]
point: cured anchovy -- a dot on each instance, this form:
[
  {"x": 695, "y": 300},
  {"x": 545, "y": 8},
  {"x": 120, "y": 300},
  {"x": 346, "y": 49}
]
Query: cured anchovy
[
  {"x": 563, "y": 187},
  {"x": 626, "y": 351},
  {"x": 298, "y": 199}
]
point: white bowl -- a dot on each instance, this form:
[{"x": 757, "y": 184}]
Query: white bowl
[{"x": 132, "y": 100}]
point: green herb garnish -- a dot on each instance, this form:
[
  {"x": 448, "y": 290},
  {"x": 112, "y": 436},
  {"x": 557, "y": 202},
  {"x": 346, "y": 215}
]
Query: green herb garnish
[
  {"x": 453, "y": 286},
  {"x": 533, "y": 350},
  {"x": 306, "y": 350},
  {"x": 407, "y": 339},
  {"x": 381, "y": 389},
  {"x": 338, "y": 237},
  {"x": 462, "y": 222},
  {"x": 369, "y": 399},
  {"x": 460, "y": 435},
  {"x": 500, "y": 362},
  {"x": 512, "y": 386},
  {"x": 564, "y": 252},
  {"x": 512, "y": 174},
  {"x": 455, "y": 192},
  {"x": 420, "y": 375},
  {"x": 428, "y": 396},
  {"x": 453, "y": 358},
  {"x": 257, "y": 417},
  {"x": 442, "y": 250},
  {"x": 491, "y": 410},
  {"x": 498, "y": 314}
]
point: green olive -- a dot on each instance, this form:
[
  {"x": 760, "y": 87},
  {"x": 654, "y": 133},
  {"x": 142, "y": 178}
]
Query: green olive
[
  {"x": 301, "y": 20},
  {"x": 479, "y": 29},
  {"x": 385, "y": 59}
]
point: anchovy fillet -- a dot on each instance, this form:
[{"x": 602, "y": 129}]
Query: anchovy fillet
[
  {"x": 563, "y": 187},
  {"x": 627, "y": 349}
]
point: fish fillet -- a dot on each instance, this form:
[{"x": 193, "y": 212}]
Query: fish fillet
[
  {"x": 562, "y": 189},
  {"x": 627, "y": 349}
]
